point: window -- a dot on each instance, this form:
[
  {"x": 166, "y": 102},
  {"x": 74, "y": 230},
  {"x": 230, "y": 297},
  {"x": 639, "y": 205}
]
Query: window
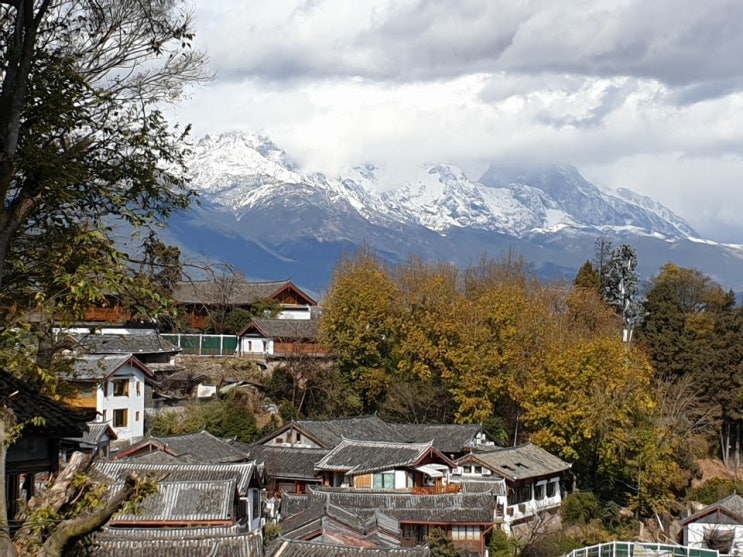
[
  {"x": 539, "y": 492},
  {"x": 551, "y": 489},
  {"x": 465, "y": 533},
  {"x": 121, "y": 387},
  {"x": 105, "y": 415},
  {"x": 136, "y": 416},
  {"x": 120, "y": 418},
  {"x": 385, "y": 480},
  {"x": 255, "y": 499},
  {"x": 524, "y": 493},
  {"x": 85, "y": 391},
  {"x": 139, "y": 387}
]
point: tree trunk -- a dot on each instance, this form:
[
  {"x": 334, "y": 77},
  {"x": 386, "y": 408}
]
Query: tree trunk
[
  {"x": 74, "y": 528},
  {"x": 57, "y": 495},
  {"x": 7, "y": 549},
  {"x": 724, "y": 443},
  {"x": 737, "y": 449}
]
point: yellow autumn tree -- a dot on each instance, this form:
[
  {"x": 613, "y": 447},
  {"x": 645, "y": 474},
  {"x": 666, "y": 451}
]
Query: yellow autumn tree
[{"x": 359, "y": 322}]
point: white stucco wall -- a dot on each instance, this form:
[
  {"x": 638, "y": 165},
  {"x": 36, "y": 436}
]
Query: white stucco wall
[
  {"x": 531, "y": 507},
  {"x": 694, "y": 534},
  {"x": 133, "y": 402},
  {"x": 253, "y": 503},
  {"x": 295, "y": 312},
  {"x": 256, "y": 345}
]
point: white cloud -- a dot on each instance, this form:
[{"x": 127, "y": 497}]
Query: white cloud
[{"x": 646, "y": 95}]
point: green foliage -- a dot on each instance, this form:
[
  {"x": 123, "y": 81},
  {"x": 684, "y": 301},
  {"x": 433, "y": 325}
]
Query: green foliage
[
  {"x": 271, "y": 531},
  {"x": 580, "y": 507},
  {"x": 229, "y": 321},
  {"x": 230, "y": 417},
  {"x": 693, "y": 333},
  {"x": 166, "y": 423},
  {"x": 325, "y": 393},
  {"x": 265, "y": 308},
  {"x": 85, "y": 495},
  {"x": 145, "y": 488},
  {"x": 496, "y": 428},
  {"x": 85, "y": 153},
  {"x": 440, "y": 544},
  {"x": 588, "y": 277},
  {"x": 714, "y": 489},
  {"x": 502, "y": 545}
]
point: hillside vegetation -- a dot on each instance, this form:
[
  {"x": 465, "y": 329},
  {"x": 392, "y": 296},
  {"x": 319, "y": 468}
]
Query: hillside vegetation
[{"x": 538, "y": 361}]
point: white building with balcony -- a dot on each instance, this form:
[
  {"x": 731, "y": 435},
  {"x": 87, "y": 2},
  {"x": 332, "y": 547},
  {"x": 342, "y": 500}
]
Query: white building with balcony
[
  {"x": 113, "y": 386},
  {"x": 528, "y": 480}
]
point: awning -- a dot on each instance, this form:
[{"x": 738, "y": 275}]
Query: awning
[{"x": 430, "y": 471}]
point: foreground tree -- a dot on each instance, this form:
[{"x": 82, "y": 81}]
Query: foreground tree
[
  {"x": 85, "y": 153},
  {"x": 692, "y": 333},
  {"x": 359, "y": 322}
]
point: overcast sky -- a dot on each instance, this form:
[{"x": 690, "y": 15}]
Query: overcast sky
[{"x": 644, "y": 94}]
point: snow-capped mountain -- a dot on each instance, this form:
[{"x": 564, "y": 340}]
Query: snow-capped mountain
[{"x": 260, "y": 212}]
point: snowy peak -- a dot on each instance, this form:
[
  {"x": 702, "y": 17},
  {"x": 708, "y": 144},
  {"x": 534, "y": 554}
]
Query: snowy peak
[
  {"x": 658, "y": 209},
  {"x": 564, "y": 189},
  {"x": 247, "y": 172},
  {"x": 230, "y": 165},
  {"x": 239, "y": 143}
]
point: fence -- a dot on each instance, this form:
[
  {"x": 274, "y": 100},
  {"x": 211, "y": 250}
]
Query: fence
[
  {"x": 641, "y": 549},
  {"x": 204, "y": 345}
]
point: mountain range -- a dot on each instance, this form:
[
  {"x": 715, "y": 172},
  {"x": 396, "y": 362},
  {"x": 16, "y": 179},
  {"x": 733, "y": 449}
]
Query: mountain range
[{"x": 259, "y": 212}]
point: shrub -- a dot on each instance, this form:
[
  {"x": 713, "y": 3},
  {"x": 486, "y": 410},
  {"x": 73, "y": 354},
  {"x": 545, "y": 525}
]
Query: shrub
[
  {"x": 271, "y": 531},
  {"x": 580, "y": 507},
  {"x": 714, "y": 490},
  {"x": 502, "y": 545},
  {"x": 440, "y": 544}
]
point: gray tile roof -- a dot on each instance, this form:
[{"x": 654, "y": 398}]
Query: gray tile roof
[
  {"x": 151, "y": 343},
  {"x": 328, "y": 433},
  {"x": 28, "y": 403},
  {"x": 730, "y": 506},
  {"x": 90, "y": 367},
  {"x": 161, "y": 457},
  {"x": 521, "y": 462},
  {"x": 231, "y": 292},
  {"x": 447, "y": 438},
  {"x": 288, "y": 462},
  {"x": 95, "y": 434},
  {"x": 176, "y": 542},
  {"x": 187, "y": 502},
  {"x": 293, "y": 503},
  {"x": 296, "y": 548},
  {"x": 336, "y": 525},
  {"x": 435, "y": 508},
  {"x": 496, "y": 487},
  {"x": 243, "y": 472},
  {"x": 446, "y": 515},
  {"x": 201, "y": 447},
  {"x": 445, "y": 508},
  {"x": 326, "y": 517},
  {"x": 362, "y": 457},
  {"x": 126, "y": 532},
  {"x": 288, "y": 329}
]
